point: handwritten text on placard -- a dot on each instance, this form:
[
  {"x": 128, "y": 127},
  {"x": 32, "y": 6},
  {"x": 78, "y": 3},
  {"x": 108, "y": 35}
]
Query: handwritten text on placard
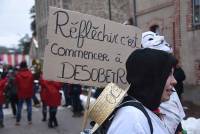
[{"x": 87, "y": 50}]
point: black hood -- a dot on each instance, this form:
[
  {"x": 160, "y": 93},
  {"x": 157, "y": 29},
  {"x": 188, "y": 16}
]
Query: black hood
[{"x": 147, "y": 72}]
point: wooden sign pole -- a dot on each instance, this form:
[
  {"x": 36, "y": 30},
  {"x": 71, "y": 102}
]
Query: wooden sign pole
[{"x": 85, "y": 118}]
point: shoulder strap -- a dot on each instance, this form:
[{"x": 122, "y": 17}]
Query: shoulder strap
[{"x": 140, "y": 107}]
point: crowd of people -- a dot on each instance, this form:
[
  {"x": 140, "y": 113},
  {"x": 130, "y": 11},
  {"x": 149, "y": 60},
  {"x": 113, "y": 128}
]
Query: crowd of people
[{"x": 20, "y": 84}]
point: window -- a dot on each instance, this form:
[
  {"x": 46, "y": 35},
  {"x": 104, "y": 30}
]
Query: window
[
  {"x": 54, "y": 2},
  {"x": 155, "y": 29},
  {"x": 66, "y": 4},
  {"x": 196, "y": 12}
]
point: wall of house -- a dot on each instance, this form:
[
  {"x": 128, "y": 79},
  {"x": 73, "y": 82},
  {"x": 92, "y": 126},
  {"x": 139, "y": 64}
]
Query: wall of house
[
  {"x": 190, "y": 44},
  {"x": 163, "y": 18},
  {"x": 174, "y": 18},
  {"x": 119, "y": 8}
]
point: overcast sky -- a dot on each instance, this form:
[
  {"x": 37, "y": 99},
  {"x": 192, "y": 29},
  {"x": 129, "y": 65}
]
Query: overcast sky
[{"x": 14, "y": 21}]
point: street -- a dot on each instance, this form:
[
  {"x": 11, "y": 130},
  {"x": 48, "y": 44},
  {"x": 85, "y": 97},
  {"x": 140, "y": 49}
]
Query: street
[{"x": 67, "y": 124}]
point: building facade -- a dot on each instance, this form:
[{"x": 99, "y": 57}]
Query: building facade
[{"x": 177, "y": 20}]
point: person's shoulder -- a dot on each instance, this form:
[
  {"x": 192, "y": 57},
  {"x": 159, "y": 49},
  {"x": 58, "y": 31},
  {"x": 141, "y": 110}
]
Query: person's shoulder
[
  {"x": 131, "y": 111},
  {"x": 129, "y": 119}
]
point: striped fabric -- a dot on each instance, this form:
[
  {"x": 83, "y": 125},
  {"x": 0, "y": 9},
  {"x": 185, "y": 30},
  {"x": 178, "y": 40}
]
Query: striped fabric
[{"x": 13, "y": 59}]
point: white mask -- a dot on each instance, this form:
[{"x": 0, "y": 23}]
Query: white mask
[{"x": 155, "y": 41}]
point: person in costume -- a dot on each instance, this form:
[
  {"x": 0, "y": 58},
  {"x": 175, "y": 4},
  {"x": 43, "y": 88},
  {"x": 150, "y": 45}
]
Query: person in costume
[
  {"x": 150, "y": 75},
  {"x": 179, "y": 74},
  {"x": 172, "y": 109}
]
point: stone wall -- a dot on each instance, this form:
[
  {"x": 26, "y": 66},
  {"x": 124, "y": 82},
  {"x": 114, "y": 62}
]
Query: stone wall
[{"x": 119, "y": 8}]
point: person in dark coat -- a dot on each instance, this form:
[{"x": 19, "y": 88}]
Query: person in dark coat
[
  {"x": 76, "y": 102},
  {"x": 11, "y": 91},
  {"x": 180, "y": 77},
  {"x": 24, "y": 83},
  {"x": 66, "y": 87},
  {"x": 98, "y": 92}
]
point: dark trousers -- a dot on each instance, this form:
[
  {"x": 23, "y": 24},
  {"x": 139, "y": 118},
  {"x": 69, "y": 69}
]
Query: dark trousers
[
  {"x": 1, "y": 113},
  {"x": 13, "y": 102},
  {"x": 67, "y": 96},
  {"x": 44, "y": 111},
  {"x": 36, "y": 88},
  {"x": 76, "y": 103},
  {"x": 52, "y": 117}
]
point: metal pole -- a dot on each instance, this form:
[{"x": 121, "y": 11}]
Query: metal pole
[
  {"x": 109, "y": 9},
  {"x": 134, "y": 10}
]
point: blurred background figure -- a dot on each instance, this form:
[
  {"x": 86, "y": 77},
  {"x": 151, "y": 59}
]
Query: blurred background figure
[
  {"x": 43, "y": 97},
  {"x": 180, "y": 77},
  {"x": 4, "y": 73},
  {"x": 76, "y": 101},
  {"x": 3, "y": 82},
  {"x": 66, "y": 87},
  {"x": 11, "y": 90},
  {"x": 98, "y": 92},
  {"x": 24, "y": 82},
  {"x": 1, "y": 67},
  {"x": 36, "y": 71}
]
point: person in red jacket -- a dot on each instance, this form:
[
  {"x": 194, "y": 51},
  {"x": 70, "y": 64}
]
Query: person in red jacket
[
  {"x": 24, "y": 83},
  {"x": 52, "y": 97},
  {"x": 3, "y": 82}
]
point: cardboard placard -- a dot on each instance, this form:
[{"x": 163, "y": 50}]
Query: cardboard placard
[{"x": 87, "y": 50}]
